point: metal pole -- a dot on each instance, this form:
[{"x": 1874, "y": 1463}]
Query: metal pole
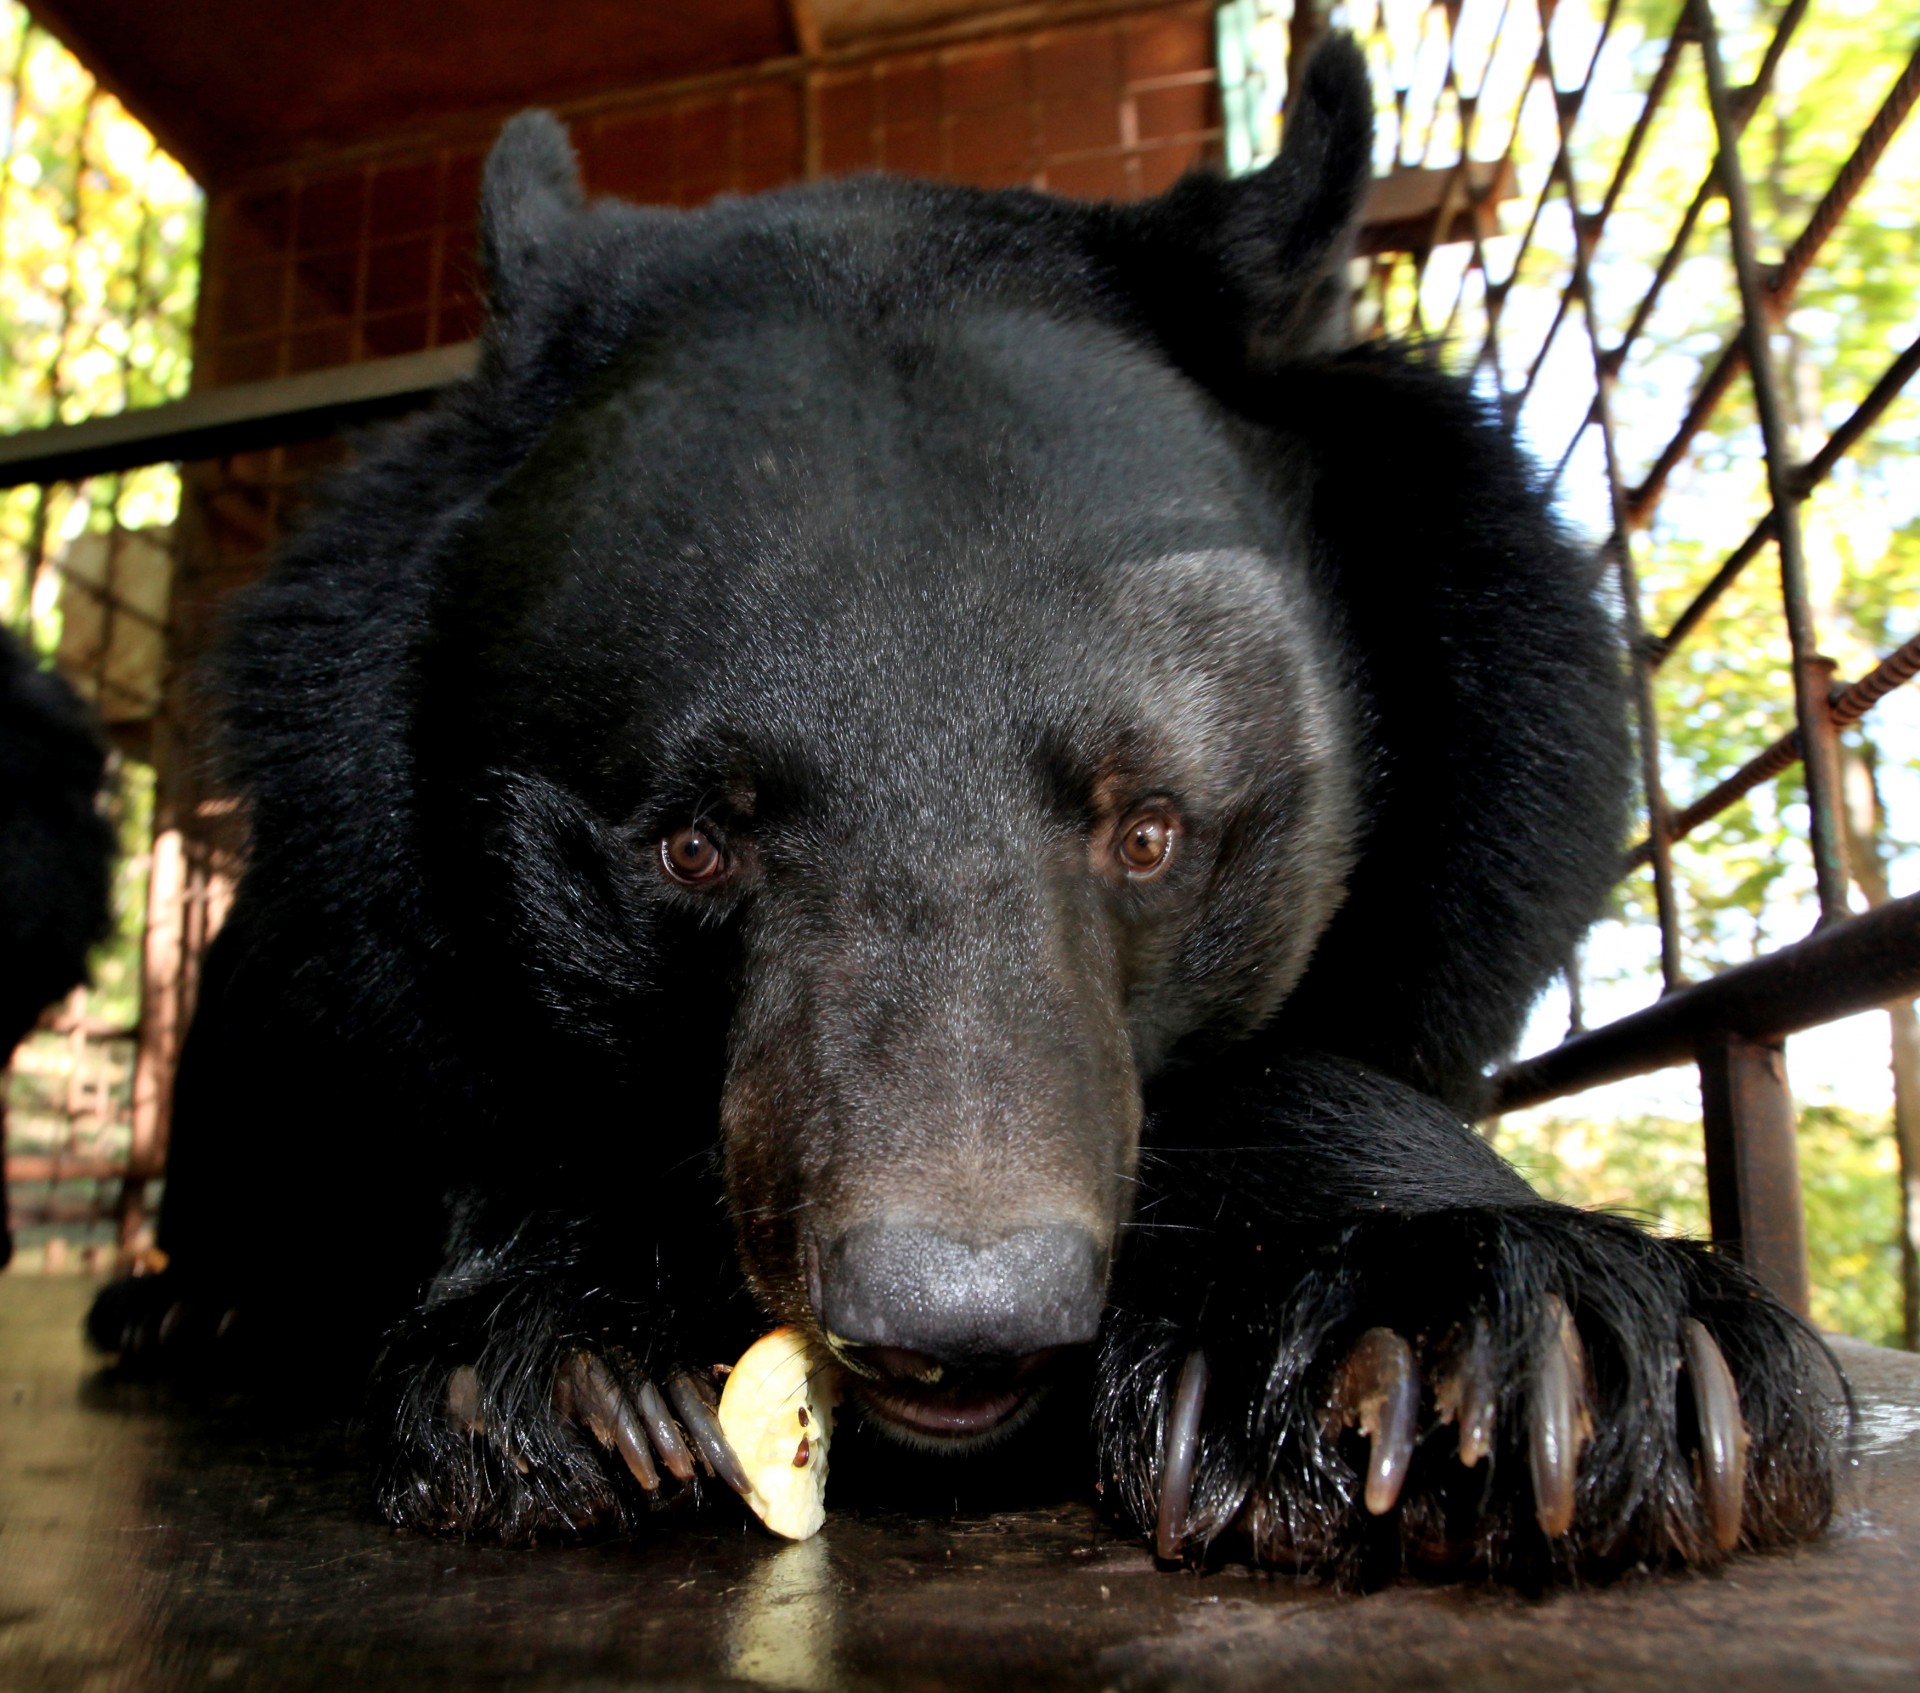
[
  {"x": 1753, "y": 1162},
  {"x": 1823, "y": 775}
]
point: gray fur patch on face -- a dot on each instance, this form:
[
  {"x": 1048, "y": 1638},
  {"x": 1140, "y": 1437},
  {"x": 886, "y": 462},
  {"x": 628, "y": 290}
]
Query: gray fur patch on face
[{"x": 1226, "y": 650}]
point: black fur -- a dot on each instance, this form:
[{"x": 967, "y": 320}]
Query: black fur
[
  {"x": 55, "y": 846},
  {"x": 906, "y": 539}
]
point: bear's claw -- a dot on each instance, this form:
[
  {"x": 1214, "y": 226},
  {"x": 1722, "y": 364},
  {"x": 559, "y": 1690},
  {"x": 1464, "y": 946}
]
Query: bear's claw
[
  {"x": 1723, "y": 1432},
  {"x": 1377, "y": 1391},
  {"x": 1562, "y": 1421},
  {"x": 1467, "y": 1395},
  {"x": 634, "y": 1423},
  {"x": 693, "y": 1399},
  {"x": 1180, "y": 1456}
]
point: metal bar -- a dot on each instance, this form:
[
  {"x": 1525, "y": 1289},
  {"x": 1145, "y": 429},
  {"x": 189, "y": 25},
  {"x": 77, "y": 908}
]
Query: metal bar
[
  {"x": 1649, "y": 110},
  {"x": 1705, "y": 402},
  {"x": 1854, "y": 965},
  {"x": 1646, "y": 714},
  {"x": 1852, "y": 176},
  {"x": 1882, "y": 394},
  {"x": 1810, "y": 702},
  {"x": 244, "y": 418},
  {"x": 1806, "y": 478},
  {"x": 1755, "y": 91},
  {"x": 1660, "y": 650},
  {"x": 1847, "y": 705},
  {"x": 1753, "y": 1163},
  {"x": 1783, "y": 280}
]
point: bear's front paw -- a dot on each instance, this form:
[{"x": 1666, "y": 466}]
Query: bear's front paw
[
  {"x": 1525, "y": 1394},
  {"x": 541, "y": 1438},
  {"x": 158, "y": 1323}
]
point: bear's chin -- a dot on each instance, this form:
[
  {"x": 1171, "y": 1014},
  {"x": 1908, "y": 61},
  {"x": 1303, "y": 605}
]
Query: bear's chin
[{"x": 931, "y": 1421}]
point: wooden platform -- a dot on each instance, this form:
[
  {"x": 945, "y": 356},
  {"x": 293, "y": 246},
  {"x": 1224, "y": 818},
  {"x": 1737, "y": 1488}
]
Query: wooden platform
[{"x": 144, "y": 1548}]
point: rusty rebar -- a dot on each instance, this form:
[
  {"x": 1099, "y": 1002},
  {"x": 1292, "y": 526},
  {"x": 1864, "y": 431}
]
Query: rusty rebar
[
  {"x": 1757, "y": 90},
  {"x": 1780, "y": 283},
  {"x": 1845, "y": 706},
  {"x": 1805, "y": 479},
  {"x": 1809, "y": 697},
  {"x": 1629, "y": 157}
]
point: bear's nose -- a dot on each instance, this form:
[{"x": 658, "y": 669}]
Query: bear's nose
[{"x": 904, "y": 1288}]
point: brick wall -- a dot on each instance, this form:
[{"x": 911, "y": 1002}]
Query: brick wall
[{"x": 339, "y": 262}]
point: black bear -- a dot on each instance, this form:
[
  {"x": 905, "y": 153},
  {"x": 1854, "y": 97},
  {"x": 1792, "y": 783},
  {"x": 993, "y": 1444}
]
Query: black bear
[
  {"x": 952, "y": 769},
  {"x": 56, "y": 850}
]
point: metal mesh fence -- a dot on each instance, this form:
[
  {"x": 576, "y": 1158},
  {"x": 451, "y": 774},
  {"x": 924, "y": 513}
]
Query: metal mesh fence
[{"x": 1675, "y": 241}]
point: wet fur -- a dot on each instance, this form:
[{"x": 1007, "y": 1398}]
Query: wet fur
[{"x": 460, "y": 1035}]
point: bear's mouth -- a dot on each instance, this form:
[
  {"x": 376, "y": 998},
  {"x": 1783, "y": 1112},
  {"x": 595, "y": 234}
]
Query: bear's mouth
[{"x": 931, "y": 1406}]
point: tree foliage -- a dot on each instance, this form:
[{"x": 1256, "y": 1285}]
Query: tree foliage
[{"x": 99, "y": 274}]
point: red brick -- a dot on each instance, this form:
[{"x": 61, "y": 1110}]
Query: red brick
[
  {"x": 908, "y": 90},
  {"x": 757, "y": 175},
  {"x": 632, "y": 157},
  {"x": 460, "y": 189},
  {"x": 698, "y": 190},
  {"x": 1080, "y": 126},
  {"x": 251, "y": 299},
  {"x": 267, "y": 218},
  {"x": 404, "y": 200},
  {"x": 323, "y": 286},
  {"x": 977, "y": 79},
  {"x": 702, "y": 144},
  {"x": 329, "y": 212},
  {"x": 460, "y": 261},
  {"x": 770, "y": 142},
  {"x": 983, "y": 143},
  {"x": 319, "y": 349},
  {"x": 1012, "y": 176},
  {"x": 1169, "y": 43},
  {"x": 400, "y": 273},
  {"x": 400, "y": 332},
  {"x": 460, "y": 319},
  {"x": 914, "y": 149},
  {"x": 846, "y": 105},
  {"x": 1185, "y": 110},
  {"x": 1076, "y": 63},
  {"x": 845, "y": 151},
  {"x": 249, "y": 361}
]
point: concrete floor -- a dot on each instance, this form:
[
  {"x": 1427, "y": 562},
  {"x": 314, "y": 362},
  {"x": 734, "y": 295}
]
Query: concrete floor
[{"x": 144, "y": 1549}]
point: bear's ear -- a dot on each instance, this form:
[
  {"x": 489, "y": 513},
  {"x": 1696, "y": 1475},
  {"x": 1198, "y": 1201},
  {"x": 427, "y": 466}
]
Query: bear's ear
[
  {"x": 530, "y": 191},
  {"x": 1258, "y": 262}
]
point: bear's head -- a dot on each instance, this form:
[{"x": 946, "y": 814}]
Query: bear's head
[{"x": 875, "y": 690}]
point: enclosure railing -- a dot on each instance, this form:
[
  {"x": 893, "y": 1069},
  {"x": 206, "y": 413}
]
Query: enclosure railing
[{"x": 1733, "y": 1025}]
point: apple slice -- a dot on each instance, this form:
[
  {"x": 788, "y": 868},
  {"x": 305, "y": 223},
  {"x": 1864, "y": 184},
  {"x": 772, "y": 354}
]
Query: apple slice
[{"x": 776, "y": 1411}]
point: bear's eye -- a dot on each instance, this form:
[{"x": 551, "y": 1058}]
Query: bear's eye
[
  {"x": 692, "y": 857},
  {"x": 1143, "y": 846}
]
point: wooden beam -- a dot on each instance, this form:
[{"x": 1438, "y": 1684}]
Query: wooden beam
[{"x": 247, "y": 417}]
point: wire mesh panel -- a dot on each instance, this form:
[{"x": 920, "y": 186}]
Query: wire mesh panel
[{"x": 1687, "y": 274}]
